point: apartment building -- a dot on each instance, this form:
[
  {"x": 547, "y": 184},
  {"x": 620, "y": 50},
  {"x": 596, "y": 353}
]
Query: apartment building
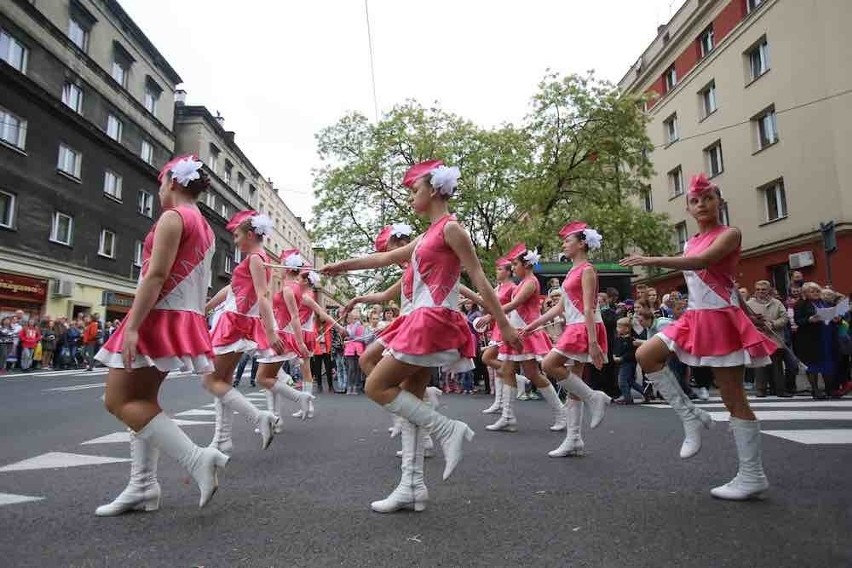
[{"x": 757, "y": 94}]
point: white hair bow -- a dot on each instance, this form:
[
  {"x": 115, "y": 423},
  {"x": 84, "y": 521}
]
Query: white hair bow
[
  {"x": 445, "y": 180},
  {"x": 401, "y": 230},
  {"x": 262, "y": 224},
  {"x": 593, "y": 239},
  {"x": 186, "y": 171},
  {"x": 532, "y": 257},
  {"x": 295, "y": 260},
  {"x": 314, "y": 278}
]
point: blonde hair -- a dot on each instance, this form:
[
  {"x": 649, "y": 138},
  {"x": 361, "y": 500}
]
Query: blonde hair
[
  {"x": 623, "y": 321},
  {"x": 811, "y": 286}
]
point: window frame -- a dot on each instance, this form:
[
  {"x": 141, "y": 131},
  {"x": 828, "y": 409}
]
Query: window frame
[
  {"x": 85, "y": 30},
  {"x": 761, "y": 131},
  {"x": 648, "y": 200},
  {"x": 675, "y": 190},
  {"x": 780, "y": 194},
  {"x": 11, "y": 42},
  {"x": 681, "y": 242},
  {"x": 115, "y": 194},
  {"x": 150, "y": 158},
  {"x": 113, "y": 119},
  {"x": 213, "y": 158},
  {"x": 669, "y": 125},
  {"x": 229, "y": 263},
  {"x": 140, "y": 197},
  {"x": 69, "y": 90},
  {"x": 54, "y": 226},
  {"x": 708, "y": 93},
  {"x": 13, "y": 209},
  {"x": 670, "y": 78},
  {"x": 761, "y": 49},
  {"x": 709, "y": 153},
  {"x": 138, "y": 253},
  {"x": 703, "y": 48},
  {"x": 64, "y": 149},
  {"x": 753, "y": 5},
  {"x": 101, "y": 242},
  {"x": 5, "y": 119}
]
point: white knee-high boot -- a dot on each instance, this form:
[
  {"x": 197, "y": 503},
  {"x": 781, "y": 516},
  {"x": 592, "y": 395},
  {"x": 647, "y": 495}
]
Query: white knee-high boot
[
  {"x": 573, "y": 444},
  {"x": 222, "y": 432},
  {"x": 597, "y": 401},
  {"x": 451, "y": 434},
  {"x": 497, "y": 405},
  {"x": 302, "y": 398},
  {"x": 560, "y": 421},
  {"x": 265, "y": 421},
  {"x": 428, "y": 443},
  {"x": 507, "y": 421},
  {"x": 750, "y": 480},
  {"x": 143, "y": 491},
  {"x": 201, "y": 463},
  {"x": 694, "y": 419},
  {"x": 411, "y": 493}
]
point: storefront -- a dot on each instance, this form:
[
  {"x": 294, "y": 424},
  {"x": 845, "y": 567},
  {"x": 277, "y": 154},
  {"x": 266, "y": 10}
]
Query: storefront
[
  {"x": 116, "y": 305},
  {"x": 22, "y": 293}
]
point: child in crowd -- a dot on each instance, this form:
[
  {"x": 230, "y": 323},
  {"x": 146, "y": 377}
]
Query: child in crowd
[{"x": 624, "y": 354}]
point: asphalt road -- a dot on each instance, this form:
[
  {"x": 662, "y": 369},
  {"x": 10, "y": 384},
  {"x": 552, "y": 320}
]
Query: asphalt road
[{"x": 305, "y": 501}]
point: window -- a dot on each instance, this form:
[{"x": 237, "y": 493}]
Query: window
[
  {"x": 112, "y": 185},
  {"x": 238, "y": 256},
  {"x": 229, "y": 167},
  {"x": 62, "y": 228},
  {"x": 670, "y": 129},
  {"x": 705, "y": 42},
  {"x": 753, "y": 5},
  {"x": 151, "y": 99},
  {"x": 13, "y": 130},
  {"x": 223, "y": 210},
  {"x": 241, "y": 182},
  {"x": 767, "y": 129},
  {"x": 681, "y": 236},
  {"x": 715, "y": 163},
  {"x": 147, "y": 152},
  {"x": 69, "y": 161},
  {"x": 758, "y": 59},
  {"x": 72, "y": 96},
  {"x": 670, "y": 78},
  {"x": 676, "y": 182},
  {"x": 119, "y": 72},
  {"x": 114, "y": 128},
  {"x": 213, "y": 159},
  {"x": 229, "y": 264},
  {"x": 13, "y": 52},
  {"x": 775, "y": 200},
  {"x": 137, "y": 254},
  {"x": 708, "y": 99},
  {"x": 648, "y": 200},
  {"x": 210, "y": 200},
  {"x": 724, "y": 217},
  {"x": 107, "y": 244},
  {"x": 7, "y": 210},
  {"x": 121, "y": 62},
  {"x": 78, "y": 33},
  {"x": 145, "y": 203}
]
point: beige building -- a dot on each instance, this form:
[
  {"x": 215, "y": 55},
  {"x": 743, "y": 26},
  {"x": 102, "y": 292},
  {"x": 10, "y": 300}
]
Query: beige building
[
  {"x": 757, "y": 94},
  {"x": 290, "y": 230}
]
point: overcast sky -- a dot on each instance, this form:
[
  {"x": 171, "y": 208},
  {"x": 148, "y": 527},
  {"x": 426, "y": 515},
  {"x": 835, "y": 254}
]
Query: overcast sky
[{"x": 279, "y": 71}]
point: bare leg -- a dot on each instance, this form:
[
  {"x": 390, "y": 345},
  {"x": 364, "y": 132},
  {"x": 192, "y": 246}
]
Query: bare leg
[
  {"x": 131, "y": 396},
  {"x": 567, "y": 377}
]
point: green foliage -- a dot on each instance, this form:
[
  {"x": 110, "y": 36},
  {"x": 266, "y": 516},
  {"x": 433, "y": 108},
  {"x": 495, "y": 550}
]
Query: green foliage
[{"x": 580, "y": 154}]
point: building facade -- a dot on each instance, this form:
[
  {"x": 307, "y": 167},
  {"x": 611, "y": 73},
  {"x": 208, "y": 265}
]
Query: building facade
[
  {"x": 86, "y": 114},
  {"x": 757, "y": 94}
]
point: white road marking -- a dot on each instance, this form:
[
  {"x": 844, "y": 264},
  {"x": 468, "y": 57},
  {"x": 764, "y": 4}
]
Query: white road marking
[
  {"x": 54, "y": 460},
  {"x": 11, "y": 499},
  {"x": 180, "y": 422},
  {"x": 775, "y": 415},
  {"x": 197, "y": 412},
  {"x": 114, "y": 438},
  {"x": 814, "y": 437},
  {"x": 76, "y": 387},
  {"x": 789, "y": 404}
]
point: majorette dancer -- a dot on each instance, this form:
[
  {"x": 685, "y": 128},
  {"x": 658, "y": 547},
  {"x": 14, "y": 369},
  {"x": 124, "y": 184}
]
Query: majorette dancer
[
  {"x": 708, "y": 263},
  {"x": 286, "y": 304},
  {"x": 391, "y": 238},
  {"x": 504, "y": 289},
  {"x": 309, "y": 311},
  {"x": 523, "y": 309},
  {"x": 435, "y": 333},
  {"x": 165, "y": 330},
  {"x": 582, "y": 341},
  {"x": 246, "y": 324}
]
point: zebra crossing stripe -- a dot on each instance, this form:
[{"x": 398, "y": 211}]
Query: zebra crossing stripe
[
  {"x": 825, "y": 437},
  {"x": 12, "y": 499},
  {"x": 777, "y": 415}
]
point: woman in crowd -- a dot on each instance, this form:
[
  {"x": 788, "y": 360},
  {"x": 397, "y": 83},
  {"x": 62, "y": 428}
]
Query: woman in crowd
[
  {"x": 816, "y": 342},
  {"x": 7, "y": 341},
  {"x": 709, "y": 263}
]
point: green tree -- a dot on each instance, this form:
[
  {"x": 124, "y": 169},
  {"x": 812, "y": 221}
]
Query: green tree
[{"x": 590, "y": 162}]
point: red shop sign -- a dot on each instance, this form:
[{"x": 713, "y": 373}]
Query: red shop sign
[{"x": 16, "y": 287}]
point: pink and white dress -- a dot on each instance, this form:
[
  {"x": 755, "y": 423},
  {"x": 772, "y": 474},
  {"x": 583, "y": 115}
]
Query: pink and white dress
[
  {"x": 504, "y": 292},
  {"x": 435, "y": 333},
  {"x": 574, "y": 341},
  {"x": 174, "y": 334},
  {"x": 405, "y": 307},
  {"x": 307, "y": 318},
  {"x": 714, "y": 331},
  {"x": 239, "y": 328},
  {"x": 535, "y": 345},
  {"x": 284, "y": 325}
]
